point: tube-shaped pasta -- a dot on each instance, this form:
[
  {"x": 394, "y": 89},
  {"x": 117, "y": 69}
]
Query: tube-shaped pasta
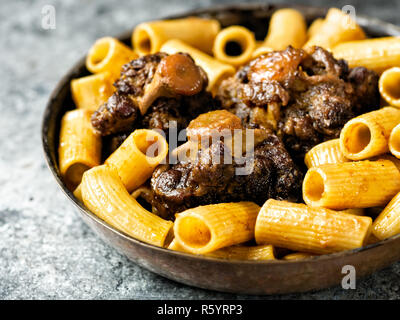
[
  {"x": 260, "y": 50},
  {"x": 216, "y": 70},
  {"x": 389, "y": 86},
  {"x": 240, "y": 252},
  {"x": 314, "y": 27},
  {"x": 237, "y": 252},
  {"x": 359, "y": 184},
  {"x": 387, "y": 224},
  {"x": 325, "y": 153},
  {"x": 234, "y": 45},
  {"x": 298, "y": 256},
  {"x": 368, "y": 134},
  {"x": 394, "y": 141},
  {"x": 105, "y": 195},
  {"x": 137, "y": 156},
  {"x": 286, "y": 27},
  {"x": 299, "y": 227},
  {"x": 108, "y": 54},
  {"x": 377, "y": 54},
  {"x": 148, "y": 37},
  {"x": 92, "y": 91},
  {"x": 80, "y": 146},
  {"x": 337, "y": 27},
  {"x": 207, "y": 228}
]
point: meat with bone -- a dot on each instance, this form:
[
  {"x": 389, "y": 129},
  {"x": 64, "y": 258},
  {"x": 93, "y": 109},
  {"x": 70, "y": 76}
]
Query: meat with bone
[
  {"x": 152, "y": 91},
  {"x": 305, "y": 96},
  {"x": 213, "y": 175}
]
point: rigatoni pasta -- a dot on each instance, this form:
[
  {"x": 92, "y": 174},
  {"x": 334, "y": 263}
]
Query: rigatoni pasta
[
  {"x": 207, "y": 228},
  {"x": 287, "y": 27},
  {"x": 389, "y": 86},
  {"x": 327, "y": 152},
  {"x": 387, "y": 224},
  {"x": 80, "y": 146},
  {"x": 108, "y": 55},
  {"x": 105, "y": 195},
  {"x": 309, "y": 229},
  {"x": 234, "y": 45},
  {"x": 137, "y": 157},
  {"x": 359, "y": 184},
  {"x": 92, "y": 91},
  {"x": 337, "y": 27},
  {"x": 368, "y": 134},
  {"x": 148, "y": 37},
  {"x": 216, "y": 70},
  {"x": 377, "y": 54}
]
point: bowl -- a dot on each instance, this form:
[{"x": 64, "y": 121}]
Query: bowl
[{"x": 244, "y": 277}]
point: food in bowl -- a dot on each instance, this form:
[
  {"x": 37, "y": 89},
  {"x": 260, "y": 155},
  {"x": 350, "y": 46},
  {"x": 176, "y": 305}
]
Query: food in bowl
[{"x": 285, "y": 143}]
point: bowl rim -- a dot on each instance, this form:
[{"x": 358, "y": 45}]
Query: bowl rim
[{"x": 65, "y": 79}]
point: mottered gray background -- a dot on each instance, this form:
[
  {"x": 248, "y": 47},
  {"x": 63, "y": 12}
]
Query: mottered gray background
[{"x": 46, "y": 250}]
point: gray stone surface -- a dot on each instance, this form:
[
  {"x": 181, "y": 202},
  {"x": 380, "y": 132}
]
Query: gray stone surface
[{"x": 46, "y": 251}]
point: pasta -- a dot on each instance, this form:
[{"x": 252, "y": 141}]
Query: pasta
[
  {"x": 207, "y": 228},
  {"x": 316, "y": 230},
  {"x": 79, "y": 148},
  {"x": 287, "y": 27},
  {"x": 337, "y": 27},
  {"x": 367, "y": 135},
  {"x": 137, "y": 157},
  {"x": 327, "y": 152},
  {"x": 359, "y": 184},
  {"x": 104, "y": 194},
  {"x": 298, "y": 256},
  {"x": 387, "y": 224},
  {"x": 355, "y": 211},
  {"x": 148, "y": 37},
  {"x": 108, "y": 55},
  {"x": 216, "y": 70},
  {"x": 92, "y": 91},
  {"x": 389, "y": 86},
  {"x": 394, "y": 141},
  {"x": 260, "y": 50},
  {"x": 234, "y": 45},
  {"x": 377, "y": 54},
  {"x": 314, "y": 27}
]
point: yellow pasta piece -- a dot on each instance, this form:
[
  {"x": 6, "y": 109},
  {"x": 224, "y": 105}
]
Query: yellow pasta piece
[
  {"x": 240, "y": 252},
  {"x": 105, "y": 195},
  {"x": 148, "y": 37},
  {"x": 389, "y": 86},
  {"x": 78, "y": 193},
  {"x": 359, "y": 184},
  {"x": 308, "y": 229},
  {"x": 216, "y": 70},
  {"x": 79, "y": 148},
  {"x": 287, "y": 27},
  {"x": 298, "y": 256},
  {"x": 387, "y": 224},
  {"x": 137, "y": 156},
  {"x": 368, "y": 134},
  {"x": 109, "y": 55},
  {"x": 394, "y": 141},
  {"x": 315, "y": 27},
  {"x": 260, "y": 50},
  {"x": 92, "y": 91},
  {"x": 372, "y": 238},
  {"x": 325, "y": 153},
  {"x": 237, "y": 252},
  {"x": 234, "y": 45},
  {"x": 208, "y": 228},
  {"x": 377, "y": 54},
  {"x": 337, "y": 27}
]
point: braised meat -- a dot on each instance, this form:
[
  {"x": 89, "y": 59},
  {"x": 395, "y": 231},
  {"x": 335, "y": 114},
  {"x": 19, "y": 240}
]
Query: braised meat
[
  {"x": 152, "y": 91},
  {"x": 305, "y": 96},
  {"x": 217, "y": 175}
]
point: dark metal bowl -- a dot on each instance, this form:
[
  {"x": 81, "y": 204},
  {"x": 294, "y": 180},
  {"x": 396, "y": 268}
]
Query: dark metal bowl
[{"x": 251, "y": 277}]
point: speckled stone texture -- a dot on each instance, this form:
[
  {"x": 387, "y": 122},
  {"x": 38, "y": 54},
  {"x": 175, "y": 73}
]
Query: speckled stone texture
[{"x": 46, "y": 250}]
